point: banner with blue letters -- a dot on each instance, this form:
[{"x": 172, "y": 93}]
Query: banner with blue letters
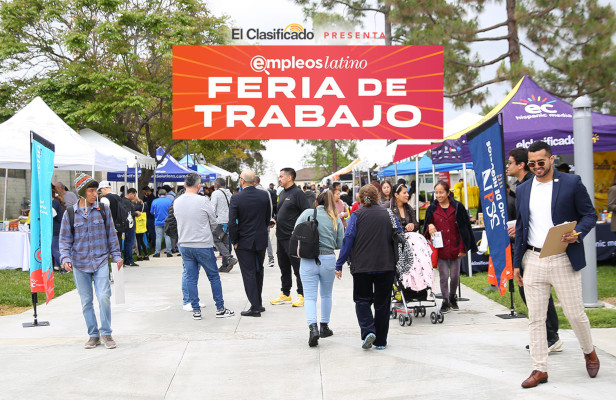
[{"x": 486, "y": 145}]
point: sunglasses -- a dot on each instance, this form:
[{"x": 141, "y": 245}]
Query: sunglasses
[{"x": 541, "y": 163}]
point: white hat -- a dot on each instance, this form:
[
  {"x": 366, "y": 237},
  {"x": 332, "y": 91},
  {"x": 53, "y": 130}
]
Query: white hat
[{"x": 104, "y": 184}]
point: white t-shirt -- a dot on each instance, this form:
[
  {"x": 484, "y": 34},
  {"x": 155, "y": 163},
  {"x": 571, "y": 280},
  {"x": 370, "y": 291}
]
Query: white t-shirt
[{"x": 540, "y": 216}]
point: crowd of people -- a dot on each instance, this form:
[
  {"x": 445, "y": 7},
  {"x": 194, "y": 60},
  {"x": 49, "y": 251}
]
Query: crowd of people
[{"x": 198, "y": 220}]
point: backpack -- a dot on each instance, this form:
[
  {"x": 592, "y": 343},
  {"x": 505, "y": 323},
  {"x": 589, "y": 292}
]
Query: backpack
[
  {"x": 403, "y": 254},
  {"x": 171, "y": 224},
  {"x": 71, "y": 218},
  {"x": 304, "y": 241},
  {"x": 124, "y": 216}
]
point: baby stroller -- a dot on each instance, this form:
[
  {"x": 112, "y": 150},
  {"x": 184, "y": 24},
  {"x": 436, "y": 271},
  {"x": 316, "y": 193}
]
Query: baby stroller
[{"x": 412, "y": 291}]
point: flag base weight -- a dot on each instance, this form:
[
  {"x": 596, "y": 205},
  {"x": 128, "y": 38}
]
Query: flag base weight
[
  {"x": 512, "y": 315},
  {"x": 36, "y": 321},
  {"x": 35, "y": 324}
]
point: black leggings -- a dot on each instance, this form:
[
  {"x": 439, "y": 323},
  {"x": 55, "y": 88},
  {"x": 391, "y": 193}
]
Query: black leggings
[{"x": 141, "y": 244}]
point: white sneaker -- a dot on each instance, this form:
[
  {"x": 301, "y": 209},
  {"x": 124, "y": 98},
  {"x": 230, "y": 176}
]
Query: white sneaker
[
  {"x": 557, "y": 347},
  {"x": 270, "y": 264},
  {"x": 188, "y": 306}
]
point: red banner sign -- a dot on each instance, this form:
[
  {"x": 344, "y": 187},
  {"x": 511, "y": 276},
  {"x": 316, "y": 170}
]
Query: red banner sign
[{"x": 307, "y": 92}]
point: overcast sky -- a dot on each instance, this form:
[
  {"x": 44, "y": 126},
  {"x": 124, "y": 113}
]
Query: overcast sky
[{"x": 270, "y": 14}]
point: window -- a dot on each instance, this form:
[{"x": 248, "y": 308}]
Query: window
[{"x": 14, "y": 173}]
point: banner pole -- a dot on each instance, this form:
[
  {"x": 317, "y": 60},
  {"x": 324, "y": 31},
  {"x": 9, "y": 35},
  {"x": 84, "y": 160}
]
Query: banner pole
[
  {"x": 417, "y": 187},
  {"x": 6, "y": 183}
]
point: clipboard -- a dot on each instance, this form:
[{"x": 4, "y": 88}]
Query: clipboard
[{"x": 553, "y": 244}]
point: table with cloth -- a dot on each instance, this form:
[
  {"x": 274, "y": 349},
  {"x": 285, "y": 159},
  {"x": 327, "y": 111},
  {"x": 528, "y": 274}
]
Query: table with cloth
[{"x": 15, "y": 250}]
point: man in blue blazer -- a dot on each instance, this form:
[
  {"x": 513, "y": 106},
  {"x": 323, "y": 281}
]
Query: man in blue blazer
[
  {"x": 550, "y": 199},
  {"x": 250, "y": 213}
]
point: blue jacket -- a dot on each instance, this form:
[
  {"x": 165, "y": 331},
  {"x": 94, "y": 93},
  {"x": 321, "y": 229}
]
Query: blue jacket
[
  {"x": 570, "y": 202},
  {"x": 160, "y": 210}
]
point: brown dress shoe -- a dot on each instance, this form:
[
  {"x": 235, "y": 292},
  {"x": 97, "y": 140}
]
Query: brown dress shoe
[
  {"x": 536, "y": 377},
  {"x": 592, "y": 363}
]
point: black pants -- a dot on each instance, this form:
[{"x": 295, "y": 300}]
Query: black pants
[
  {"x": 368, "y": 289},
  {"x": 141, "y": 247},
  {"x": 151, "y": 233},
  {"x": 251, "y": 266},
  {"x": 285, "y": 262}
]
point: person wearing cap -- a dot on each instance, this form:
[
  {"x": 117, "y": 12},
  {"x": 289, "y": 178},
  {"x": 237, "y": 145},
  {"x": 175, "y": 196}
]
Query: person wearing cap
[
  {"x": 111, "y": 200},
  {"x": 564, "y": 167},
  {"x": 85, "y": 248}
]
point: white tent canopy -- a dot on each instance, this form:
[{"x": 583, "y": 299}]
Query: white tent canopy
[
  {"x": 72, "y": 151},
  {"x": 222, "y": 172},
  {"x": 143, "y": 160},
  {"x": 133, "y": 158},
  {"x": 385, "y": 156}
]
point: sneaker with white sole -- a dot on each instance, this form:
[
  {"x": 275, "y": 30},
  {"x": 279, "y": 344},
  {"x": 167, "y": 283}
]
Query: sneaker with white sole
[
  {"x": 271, "y": 264},
  {"x": 282, "y": 299},
  {"x": 224, "y": 313},
  {"x": 299, "y": 302},
  {"x": 556, "y": 347},
  {"x": 370, "y": 338},
  {"x": 188, "y": 306},
  {"x": 197, "y": 315},
  {"x": 92, "y": 342},
  {"x": 108, "y": 341}
]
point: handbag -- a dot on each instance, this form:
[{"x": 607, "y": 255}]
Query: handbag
[{"x": 434, "y": 255}]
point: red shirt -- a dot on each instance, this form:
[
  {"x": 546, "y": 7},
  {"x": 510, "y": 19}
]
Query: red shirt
[{"x": 444, "y": 219}]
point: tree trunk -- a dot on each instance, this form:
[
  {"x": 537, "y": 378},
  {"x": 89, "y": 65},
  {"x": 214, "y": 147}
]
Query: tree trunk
[
  {"x": 512, "y": 29},
  {"x": 386, "y": 11},
  {"x": 332, "y": 143}
]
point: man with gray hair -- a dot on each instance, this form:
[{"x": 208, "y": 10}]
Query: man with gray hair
[
  {"x": 250, "y": 214},
  {"x": 70, "y": 198},
  {"x": 220, "y": 202},
  {"x": 196, "y": 220}
]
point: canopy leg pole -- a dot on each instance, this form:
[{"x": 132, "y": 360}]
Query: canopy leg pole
[
  {"x": 6, "y": 183},
  {"x": 136, "y": 179},
  {"x": 126, "y": 180},
  {"x": 395, "y": 173},
  {"x": 433, "y": 179},
  {"x": 417, "y": 188},
  {"x": 468, "y": 254}
]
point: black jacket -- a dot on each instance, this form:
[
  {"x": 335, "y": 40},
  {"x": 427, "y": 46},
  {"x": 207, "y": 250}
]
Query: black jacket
[
  {"x": 373, "y": 248},
  {"x": 463, "y": 223},
  {"x": 249, "y": 216},
  {"x": 291, "y": 204}
]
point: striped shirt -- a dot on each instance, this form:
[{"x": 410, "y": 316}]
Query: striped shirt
[{"x": 91, "y": 246}]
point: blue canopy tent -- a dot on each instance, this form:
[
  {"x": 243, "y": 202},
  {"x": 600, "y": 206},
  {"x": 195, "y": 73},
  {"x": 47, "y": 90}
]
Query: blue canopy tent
[
  {"x": 169, "y": 170},
  {"x": 187, "y": 161},
  {"x": 425, "y": 167}
]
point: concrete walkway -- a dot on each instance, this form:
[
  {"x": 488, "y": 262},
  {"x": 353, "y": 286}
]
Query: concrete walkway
[{"x": 163, "y": 353}]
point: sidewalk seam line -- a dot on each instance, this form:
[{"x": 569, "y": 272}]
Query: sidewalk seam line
[{"x": 176, "y": 369}]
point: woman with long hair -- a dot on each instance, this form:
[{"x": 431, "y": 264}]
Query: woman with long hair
[
  {"x": 368, "y": 242},
  {"x": 313, "y": 275},
  {"x": 386, "y": 194},
  {"x": 449, "y": 217},
  {"x": 399, "y": 205}
]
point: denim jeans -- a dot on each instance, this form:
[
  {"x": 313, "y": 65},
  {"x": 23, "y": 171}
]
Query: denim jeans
[
  {"x": 129, "y": 242},
  {"x": 160, "y": 232},
  {"x": 83, "y": 281},
  {"x": 192, "y": 258},
  {"x": 312, "y": 274}
]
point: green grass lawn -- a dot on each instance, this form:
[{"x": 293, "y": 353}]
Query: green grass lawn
[
  {"x": 599, "y": 318},
  {"x": 15, "y": 287}
]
